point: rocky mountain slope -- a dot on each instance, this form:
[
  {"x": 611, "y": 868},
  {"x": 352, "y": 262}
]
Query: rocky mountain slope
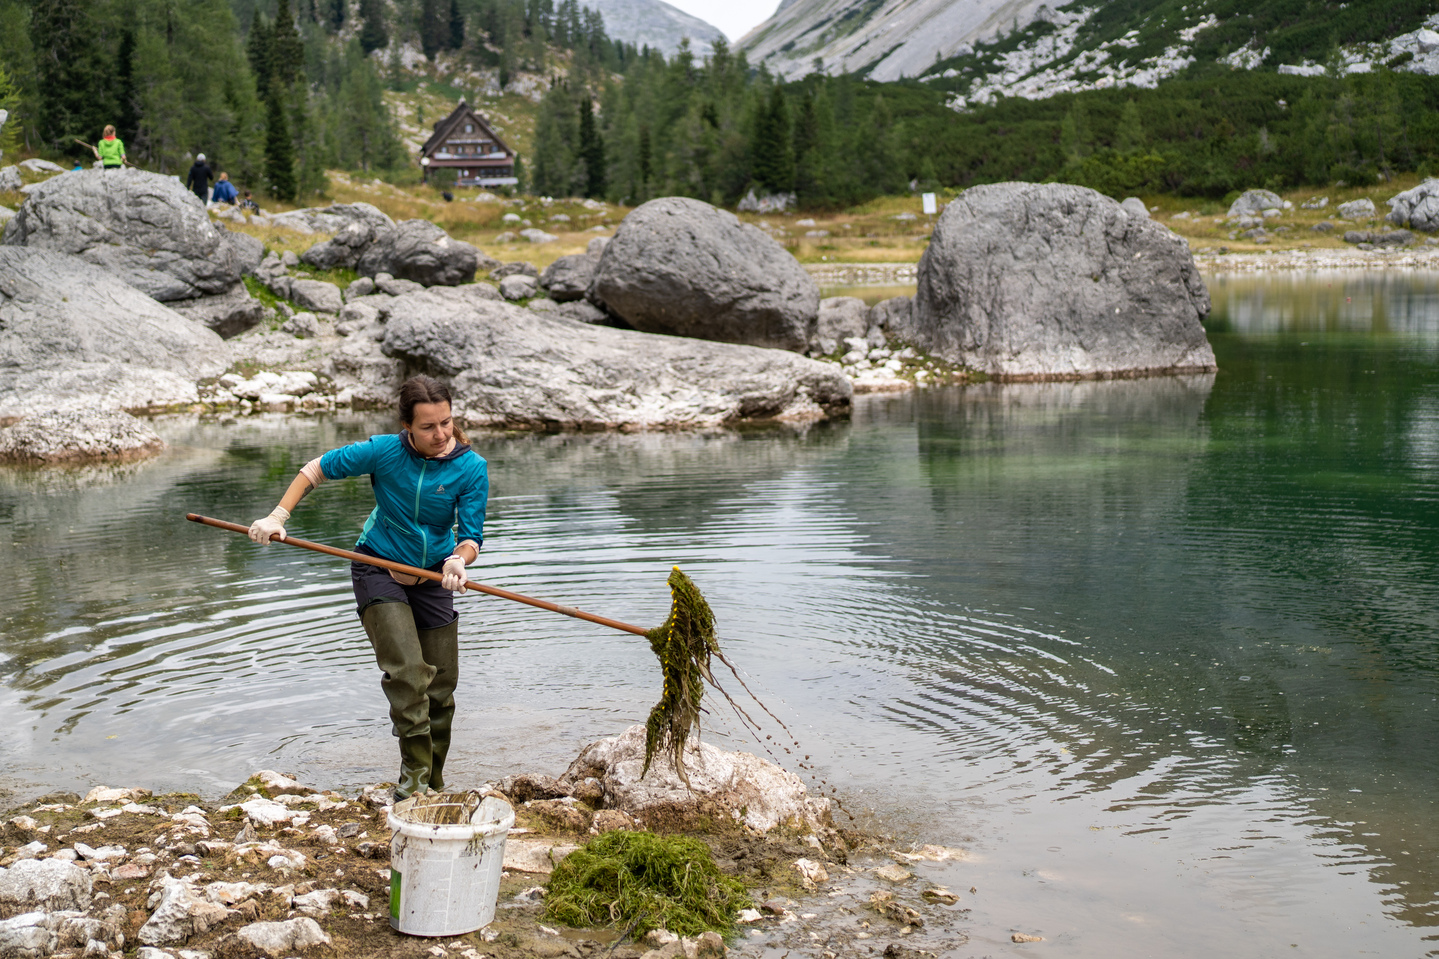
[
  {"x": 655, "y": 23},
  {"x": 986, "y": 49}
]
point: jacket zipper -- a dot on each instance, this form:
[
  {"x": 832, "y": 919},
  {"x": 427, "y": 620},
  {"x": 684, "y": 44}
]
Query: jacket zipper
[{"x": 424, "y": 540}]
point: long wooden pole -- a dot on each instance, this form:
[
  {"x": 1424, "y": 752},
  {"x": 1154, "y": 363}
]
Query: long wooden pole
[{"x": 427, "y": 574}]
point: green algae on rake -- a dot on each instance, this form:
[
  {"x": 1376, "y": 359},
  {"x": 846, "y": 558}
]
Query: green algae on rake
[{"x": 684, "y": 645}]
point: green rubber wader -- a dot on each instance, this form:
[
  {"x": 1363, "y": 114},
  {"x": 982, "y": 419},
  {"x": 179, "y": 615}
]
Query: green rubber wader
[
  {"x": 391, "y": 628},
  {"x": 441, "y": 649}
]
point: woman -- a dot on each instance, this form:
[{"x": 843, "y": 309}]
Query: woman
[
  {"x": 426, "y": 481},
  {"x": 110, "y": 151},
  {"x": 224, "y": 191}
]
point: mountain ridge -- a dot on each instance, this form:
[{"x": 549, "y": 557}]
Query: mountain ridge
[
  {"x": 986, "y": 49},
  {"x": 656, "y": 24}
]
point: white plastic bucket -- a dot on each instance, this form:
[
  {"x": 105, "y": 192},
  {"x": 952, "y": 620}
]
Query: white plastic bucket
[{"x": 445, "y": 876}]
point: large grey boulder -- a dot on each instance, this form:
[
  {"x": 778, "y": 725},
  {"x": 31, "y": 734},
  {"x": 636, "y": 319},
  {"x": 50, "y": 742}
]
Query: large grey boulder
[
  {"x": 228, "y": 314},
  {"x": 1418, "y": 208},
  {"x": 516, "y": 367},
  {"x": 143, "y": 228},
  {"x": 72, "y": 334},
  {"x": 840, "y": 317},
  {"x": 78, "y": 435},
  {"x": 345, "y": 249},
  {"x": 27, "y": 936},
  {"x": 1252, "y": 203},
  {"x": 569, "y": 277},
  {"x": 1054, "y": 281},
  {"x": 419, "y": 250},
  {"x": 683, "y": 267},
  {"x": 10, "y": 181}
]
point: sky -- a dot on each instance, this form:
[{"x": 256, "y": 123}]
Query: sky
[{"x": 734, "y": 17}]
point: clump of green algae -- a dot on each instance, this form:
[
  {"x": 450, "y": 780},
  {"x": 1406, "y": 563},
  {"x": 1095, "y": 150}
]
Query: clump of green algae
[
  {"x": 684, "y": 644},
  {"x": 644, "y": 881}
]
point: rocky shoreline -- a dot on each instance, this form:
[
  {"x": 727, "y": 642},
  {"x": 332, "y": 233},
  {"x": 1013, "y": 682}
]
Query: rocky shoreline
[{"x": 279, "y": 869}]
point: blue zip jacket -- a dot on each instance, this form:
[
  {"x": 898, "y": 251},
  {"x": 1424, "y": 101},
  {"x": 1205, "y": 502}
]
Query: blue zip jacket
[{"x": 419, "y": 501}]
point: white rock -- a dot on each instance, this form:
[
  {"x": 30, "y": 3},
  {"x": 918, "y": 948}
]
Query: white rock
[
  {"x": 811, "y": 871},
  {"x": 755, "y": 792},
  {"x": 181, "y": 913},
  {"x": 356, "y": 900},
  {"x": 534, "y": 856},
  {"x": 229, "y": 893},
  {"x": 266, "y": 812},
  {"x": 518, "y": 286},
  {"x": 279, "y": 939},
  {"x": 317, "y": 903},
  {"x": 104, "y": 794},
  {"x": 1357, "y": 209},
  {"x": 48, "y": 884},
  {"x": 27, "y": 937}
]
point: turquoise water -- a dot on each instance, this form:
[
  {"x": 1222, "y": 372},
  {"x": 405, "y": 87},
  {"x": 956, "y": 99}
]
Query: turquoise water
[{"x": 1161, "y": 654}]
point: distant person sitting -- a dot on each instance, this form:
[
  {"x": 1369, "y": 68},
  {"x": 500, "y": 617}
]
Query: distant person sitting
[
  {"x": 110, "y": 151},
  {"x": 248, "y": 204},
  {"x": 199, "y": 179},
  {"x": 224, "y": 190}
]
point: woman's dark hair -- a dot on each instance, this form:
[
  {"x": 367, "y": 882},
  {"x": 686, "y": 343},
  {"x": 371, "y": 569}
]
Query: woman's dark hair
[{"x": 426, "y": 389}]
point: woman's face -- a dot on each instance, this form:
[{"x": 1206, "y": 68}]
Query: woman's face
[{"x": 432, "y": 428}]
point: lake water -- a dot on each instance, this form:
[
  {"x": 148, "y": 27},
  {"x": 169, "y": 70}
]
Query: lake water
[{"x": 1163, "y": 654}]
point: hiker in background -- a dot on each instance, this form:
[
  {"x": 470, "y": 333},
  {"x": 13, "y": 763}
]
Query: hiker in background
[
  {"x": 199, "y": 179},
  {"x": 110, "y": 151},
  {"x": 248, "y": 204},
  {"x": 224, "y": 190}
]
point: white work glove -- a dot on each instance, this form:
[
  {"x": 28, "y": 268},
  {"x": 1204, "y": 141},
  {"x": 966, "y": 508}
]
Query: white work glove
[
  {"x": 453, "y": 572},
  {"x": 262, "y": 530}
]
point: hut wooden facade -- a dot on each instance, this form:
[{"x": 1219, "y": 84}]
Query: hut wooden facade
[{"x": 464, "y": 142}]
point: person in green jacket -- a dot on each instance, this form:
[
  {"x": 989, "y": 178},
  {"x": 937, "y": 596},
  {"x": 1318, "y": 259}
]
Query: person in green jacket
[{"x": 110, "y": 151}]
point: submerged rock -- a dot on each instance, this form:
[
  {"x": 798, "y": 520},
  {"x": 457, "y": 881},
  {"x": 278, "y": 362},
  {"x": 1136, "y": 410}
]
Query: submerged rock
[
  {"x": 517, "y": 367},
  {"x": 737, "y": 785},
  {"x": 76, "y": 436},
  {"x": 685, "y": 268},
  {"x": 1052, "y": 281}
]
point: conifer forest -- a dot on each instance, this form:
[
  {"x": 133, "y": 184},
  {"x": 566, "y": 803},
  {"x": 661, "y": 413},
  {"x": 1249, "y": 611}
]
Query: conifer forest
[{"x": 279, "y": 91}]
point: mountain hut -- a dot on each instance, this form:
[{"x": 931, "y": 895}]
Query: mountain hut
[{"x": 464, "y": 141}]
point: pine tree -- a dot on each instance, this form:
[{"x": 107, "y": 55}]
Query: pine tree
[
  {"x": 807, "y": 160},
  {"x": 127, "y": 117},
  {"x": 433, "y": 28},
  {"x": 1074, "y": 131},
  {"x": 592, "y": 149},
  {"x": 72, "y": 73},
  {"x": 279, "y": 150},
  {"x": 287, "y": 50},
  {"x": 373, "y": 35},
  {"x": 773, "y": 152},
  {"x": 260, "y": 49},
  {"x": 1129, "y": 135},
  {"x": 455, "y": 40},
  {"x": 336, "y": 14}
]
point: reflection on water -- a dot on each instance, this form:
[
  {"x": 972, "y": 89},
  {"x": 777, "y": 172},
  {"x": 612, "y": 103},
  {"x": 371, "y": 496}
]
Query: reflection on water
[
  {"x": 1160, "y": 653},
  {"x": 1333, "y": 301}
]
